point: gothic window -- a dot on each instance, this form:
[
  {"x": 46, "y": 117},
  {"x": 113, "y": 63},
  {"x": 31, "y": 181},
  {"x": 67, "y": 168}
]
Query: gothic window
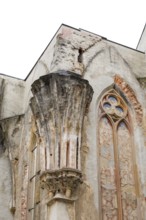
[{"x": 117, "y": 175}]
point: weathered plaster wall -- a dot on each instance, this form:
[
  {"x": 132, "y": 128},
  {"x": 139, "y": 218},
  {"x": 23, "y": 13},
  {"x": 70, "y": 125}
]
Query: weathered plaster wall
[
  {"x": 11, "y": 139},
  {"x": 100, "y": 62},
  {"x": 58, "y": 211},
  {"x": 11, "y": 96},
  {"x": 75, "y": 49},
  {"x": 5, "y": 188},
  {"x": 42, "y": 67}
]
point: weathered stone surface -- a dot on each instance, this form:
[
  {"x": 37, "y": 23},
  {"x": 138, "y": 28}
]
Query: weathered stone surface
[
  {"x": 129, "y": 93},
  {"x": 10, "y": 92},
  {"x": 119, "y": 187},
  {"x": 64, "y": 181},
  {"x": 10, "y": 139},
  {"x": 60, "y": 102},
  {"x": 69, "y": 49},
  {"x": 58, "y": 211},
  {"x": 85, "y": 208},
  {"x": 67, "y": 139}
]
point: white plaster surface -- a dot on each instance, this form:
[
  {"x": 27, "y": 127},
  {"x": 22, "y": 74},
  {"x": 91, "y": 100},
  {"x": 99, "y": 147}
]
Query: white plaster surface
[
  {"x": 5, "y": 189},
  {"x": 58, "y": 211}
]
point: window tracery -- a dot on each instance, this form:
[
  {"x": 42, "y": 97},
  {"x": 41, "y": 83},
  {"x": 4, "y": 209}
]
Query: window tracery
[
  {"x": 117, "y": 174},
  {"x": 114, "y": 106}
]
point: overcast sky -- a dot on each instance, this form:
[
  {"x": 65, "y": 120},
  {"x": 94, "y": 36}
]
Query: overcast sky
[{"x": 27, "y": 26}]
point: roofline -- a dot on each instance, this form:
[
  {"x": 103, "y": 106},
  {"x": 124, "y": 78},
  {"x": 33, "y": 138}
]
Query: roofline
[
  {"x": 2, "y": 74},
  {"x": 43, "y": 52},
  {"x": 77, "y": 29},
  {"x": 139, "y": 51},
  {"x": 48, "y": 46},
  {"x": 104, "y": 38}
]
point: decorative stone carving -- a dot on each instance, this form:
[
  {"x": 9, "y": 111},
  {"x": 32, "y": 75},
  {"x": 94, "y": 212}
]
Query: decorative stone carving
[
  {"x": 59, "y": 104},
  {"x": 114, "y": 106},
  {"x": 129, "y": 93},
  {"x": 63, "y": 181}
]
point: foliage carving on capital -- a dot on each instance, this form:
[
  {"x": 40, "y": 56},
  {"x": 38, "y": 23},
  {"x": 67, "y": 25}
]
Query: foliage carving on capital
[{"x": 61, "y": 183}]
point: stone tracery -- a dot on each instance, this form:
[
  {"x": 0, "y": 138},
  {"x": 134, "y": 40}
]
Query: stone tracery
[
  {"x": 114, "y": 106},
  {"x": 117, "y": 176}
]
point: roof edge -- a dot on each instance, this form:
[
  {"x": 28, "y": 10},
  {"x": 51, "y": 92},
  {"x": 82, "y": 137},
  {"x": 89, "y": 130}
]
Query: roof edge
[{"x": 43, "y": 51}]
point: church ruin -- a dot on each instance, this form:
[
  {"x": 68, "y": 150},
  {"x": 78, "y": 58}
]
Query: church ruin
[{"x": 73, "y": 133}]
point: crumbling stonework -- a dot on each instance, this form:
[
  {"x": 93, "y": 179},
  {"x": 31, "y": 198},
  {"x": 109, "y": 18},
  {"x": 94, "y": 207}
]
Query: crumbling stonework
[{"x": 73, "y": 134}]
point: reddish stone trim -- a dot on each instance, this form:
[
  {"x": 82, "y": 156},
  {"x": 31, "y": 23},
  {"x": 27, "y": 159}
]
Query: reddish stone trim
[{"x": 131, "y": 97}]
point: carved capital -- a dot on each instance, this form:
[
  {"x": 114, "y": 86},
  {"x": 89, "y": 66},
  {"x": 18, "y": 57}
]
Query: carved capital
[{"x": 62, "y": 183}]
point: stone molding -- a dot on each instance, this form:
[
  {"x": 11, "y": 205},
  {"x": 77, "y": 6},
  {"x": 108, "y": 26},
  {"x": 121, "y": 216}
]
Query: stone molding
[{"x": 131, "y": 97}]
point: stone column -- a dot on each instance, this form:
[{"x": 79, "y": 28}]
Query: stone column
[{"x": 59, "y": 104}]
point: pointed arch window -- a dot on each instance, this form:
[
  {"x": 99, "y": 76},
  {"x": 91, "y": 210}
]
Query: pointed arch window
[{"x": 118, "y": 187}]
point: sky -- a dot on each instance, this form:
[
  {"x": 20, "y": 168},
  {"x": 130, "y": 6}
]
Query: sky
[{"x": 27, "y": 26}]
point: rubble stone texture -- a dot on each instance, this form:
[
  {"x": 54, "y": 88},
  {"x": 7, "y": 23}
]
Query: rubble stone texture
[{"x": 73, "y": 133}]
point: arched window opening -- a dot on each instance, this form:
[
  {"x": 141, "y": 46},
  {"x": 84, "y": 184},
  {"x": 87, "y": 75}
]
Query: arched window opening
[{"x": 117, "y": 175}]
